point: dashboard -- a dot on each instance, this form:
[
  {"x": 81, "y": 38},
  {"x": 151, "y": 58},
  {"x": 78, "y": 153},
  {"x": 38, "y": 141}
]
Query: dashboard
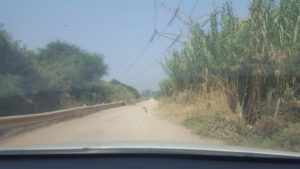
[{"x": 140, "y": 159}]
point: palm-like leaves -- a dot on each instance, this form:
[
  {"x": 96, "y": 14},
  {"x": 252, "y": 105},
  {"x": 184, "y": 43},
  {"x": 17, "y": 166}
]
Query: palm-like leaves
[{"x": 254, "y": 54}]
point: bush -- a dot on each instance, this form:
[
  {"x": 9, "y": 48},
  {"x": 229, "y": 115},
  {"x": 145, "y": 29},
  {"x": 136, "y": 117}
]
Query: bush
[
  {"x": 289, "y": 138},
  {"x": 291, "y": 112},
  {"x": 267, "y": 126},
  {"x": 221, "y": 126},
  {"x": 66, "y": 100}
]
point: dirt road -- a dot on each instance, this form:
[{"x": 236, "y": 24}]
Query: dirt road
[{"x": 130, "y": 123}]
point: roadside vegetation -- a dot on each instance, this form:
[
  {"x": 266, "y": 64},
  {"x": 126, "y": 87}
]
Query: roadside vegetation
[
  {"x": 240, "y": 80},
  {"x": 59, "y": 75}
]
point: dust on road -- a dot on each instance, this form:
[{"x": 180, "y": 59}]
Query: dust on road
[{"x": 132, "y": 123}]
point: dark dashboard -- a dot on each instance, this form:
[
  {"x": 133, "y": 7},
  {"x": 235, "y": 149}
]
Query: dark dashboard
[{"x": 142, "y": 158}]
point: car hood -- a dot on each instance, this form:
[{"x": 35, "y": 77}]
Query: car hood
[{"x": 152, "y": 148}]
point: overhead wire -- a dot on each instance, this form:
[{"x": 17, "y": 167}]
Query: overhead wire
[
  {"x": 174, "y": 41},
  {"x": 146, "y": 68},
  {"x": 139, "y": 56},
  {"x": 149, "y": 43},
  {"x": 154, "y": 61},
  {"x": 166, "y": 50}
]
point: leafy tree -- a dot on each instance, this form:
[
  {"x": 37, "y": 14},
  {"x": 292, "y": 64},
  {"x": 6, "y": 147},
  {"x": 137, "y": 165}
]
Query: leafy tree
[
  {"x": 58, "y": 76},
  {"x": 67, "y": 66}
]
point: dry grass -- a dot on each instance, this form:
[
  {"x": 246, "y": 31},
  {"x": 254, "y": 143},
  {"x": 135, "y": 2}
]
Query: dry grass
[
  {"x": 173, "y": 112},
  {"x": 210, "y": 116},
  {"x": 207, "y": 115},
  {"x": 188, "y": 103}
]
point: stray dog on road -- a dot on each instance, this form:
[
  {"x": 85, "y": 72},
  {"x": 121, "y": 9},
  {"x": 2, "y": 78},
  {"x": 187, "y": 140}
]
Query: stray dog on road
[{"x": 145, "y": 109}]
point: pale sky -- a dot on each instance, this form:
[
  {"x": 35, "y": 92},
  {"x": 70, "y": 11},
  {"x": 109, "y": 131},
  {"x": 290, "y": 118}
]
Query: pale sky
[{"x": 118, "y": 29}]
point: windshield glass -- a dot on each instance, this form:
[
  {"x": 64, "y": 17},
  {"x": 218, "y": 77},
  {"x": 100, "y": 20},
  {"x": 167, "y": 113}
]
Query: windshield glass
[{"x": 83, "y": 73}]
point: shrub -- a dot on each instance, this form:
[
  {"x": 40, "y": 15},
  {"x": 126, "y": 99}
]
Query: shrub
[
  {"x": 291, "y": 112},
  {"x": 289, "y": 138},
  {"x": 267, "y": 126},
  {"x": 221, "y": 126}
]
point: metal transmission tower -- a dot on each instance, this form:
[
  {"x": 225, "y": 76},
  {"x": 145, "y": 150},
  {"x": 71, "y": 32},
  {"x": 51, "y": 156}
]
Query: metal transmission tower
[
  {"x": 174, "y": 37},
  {"x": 170, "y": 36},
  {"x": 176, "y": 14},
  {"x": 186, "y": 19}
]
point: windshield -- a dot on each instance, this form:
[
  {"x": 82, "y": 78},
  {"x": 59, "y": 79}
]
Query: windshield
[{"x": 84, "y": 73}]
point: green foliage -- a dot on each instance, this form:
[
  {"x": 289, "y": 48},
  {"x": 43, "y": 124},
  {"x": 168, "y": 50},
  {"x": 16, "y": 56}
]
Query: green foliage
[
  {"x": 12, "y": 85},
  {"x": 289, "y": 137},
  {"x": 149, "y": 93},
  {"x": 120, "y": 92},
  {"x": 267, "y": 126},
  {"x": 250, "y": 57},
  {"x": 67, "y": 66},
  {"x": 267, "y": 133},
  {"x": 127, "y": 87},
  {"x": 58, "y": 76},
  {"x": 220, "y": 126},
  {"x": 256, "y": 60},
  {"x": 166, "y": 88}
]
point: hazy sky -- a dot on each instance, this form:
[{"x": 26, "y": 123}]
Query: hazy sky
[{"x": 118, "y": 29}]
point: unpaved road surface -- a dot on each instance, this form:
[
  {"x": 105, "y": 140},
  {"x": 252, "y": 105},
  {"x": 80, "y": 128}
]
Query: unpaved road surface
[{"x": 132, "y": 123}]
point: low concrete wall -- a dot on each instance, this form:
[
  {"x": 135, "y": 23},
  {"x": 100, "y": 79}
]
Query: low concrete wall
[{"x": 13, "y": 125}]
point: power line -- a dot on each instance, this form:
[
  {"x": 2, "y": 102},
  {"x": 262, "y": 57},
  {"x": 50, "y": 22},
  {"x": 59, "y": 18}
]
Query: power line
[
  {"x": 147, "y": 47},
  {"x": 185, "y": 18},
  {"x": 165, "y": 51},
  {"x": 163, "y": 44},
  {"x": 167, "y": 48},
  {"x": 148, "y": 67},
  {"x": 154, "y": 61},
  {"x": 149, "y": 79},
  {"x": 150, "y": 42}
]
